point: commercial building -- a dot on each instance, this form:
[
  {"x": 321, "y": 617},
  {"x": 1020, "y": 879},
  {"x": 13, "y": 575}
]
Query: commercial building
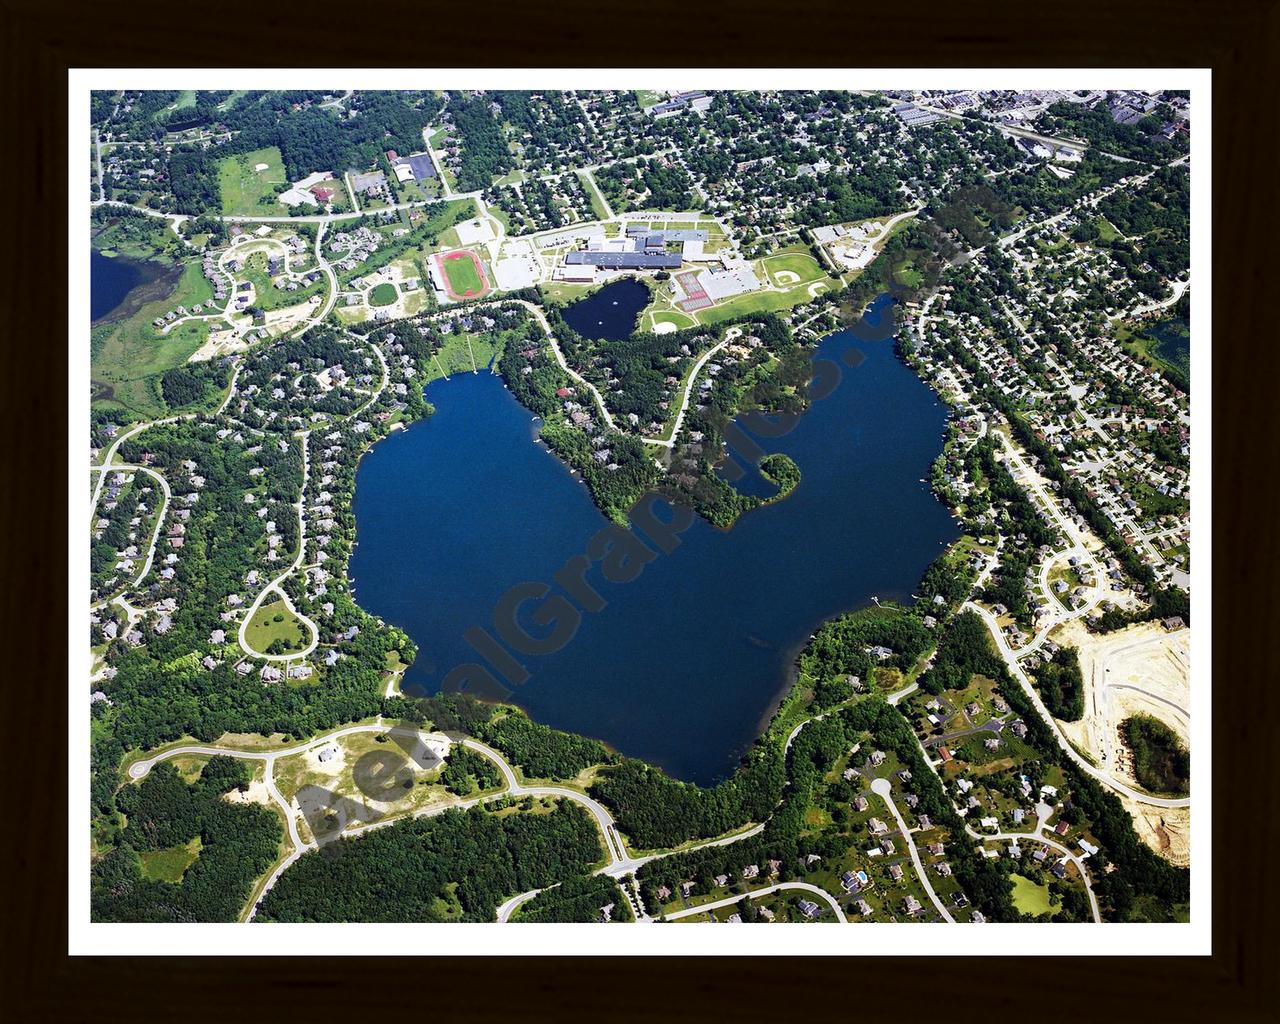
[{"x": 624, "y": 260}]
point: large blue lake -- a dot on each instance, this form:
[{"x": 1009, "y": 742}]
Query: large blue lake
[{"x": 685, "y": 663}]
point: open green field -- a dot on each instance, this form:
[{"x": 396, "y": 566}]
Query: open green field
[
  {"x": 383, "y": 294},
  {"x": 462, "y": 353},
  {"x": 171, "y": 864},
  {"x": 759, "y": 302},
  {"x": 230, "y": 100},
  {"x": 1030, "y": 898},
  {"x": 186, "y": 98},
  {"x": 127, "y": 357},
  {"x": 906, "y": 274},
  {"x": 245, "y": 190},
  {"x": 649, "y": 98},
  {"x": 274, "y": 622},
  {"x": 564, "y": 291},
  {"x": 463, "y": 276}
]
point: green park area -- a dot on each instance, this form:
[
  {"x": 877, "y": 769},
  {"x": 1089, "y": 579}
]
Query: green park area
[
  {"x": 248, "y": 182},
  {"x": 463, "y": 353},
  {"x": 383, "y": 294},
  {"x": 128, "y": 356},
  {"x": 907, "y": 275},
  {"x": 564, "y": 292},
  {"x": 1030, "y": 898},
  {"x": 275, "y": 626}
]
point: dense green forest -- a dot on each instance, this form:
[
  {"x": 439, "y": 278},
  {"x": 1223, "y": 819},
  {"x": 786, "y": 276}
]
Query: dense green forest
[
  {"x": 466, "y": 772},
  {"x": 965, "y": 651},
  {"x": 1061, "y": 685},
  {"x": 485, "y": 155},
  {"x": 459, "y": 865},
  {"x": 578, "y": 899},
  {"x": 237, "y": 843},
  {"x": 540, "y": 751},
  {"x": 1161, "y": 763},
  {"x": 1139, "y": 141}
]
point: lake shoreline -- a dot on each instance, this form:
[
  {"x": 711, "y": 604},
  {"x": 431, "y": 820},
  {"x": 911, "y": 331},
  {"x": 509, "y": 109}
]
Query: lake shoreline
[
  {"x": 155, "y": 280},
  {"x": 687, "y": 665}
]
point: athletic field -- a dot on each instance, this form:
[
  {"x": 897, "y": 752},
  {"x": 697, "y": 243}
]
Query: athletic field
[{"x": 464, "y": 276}]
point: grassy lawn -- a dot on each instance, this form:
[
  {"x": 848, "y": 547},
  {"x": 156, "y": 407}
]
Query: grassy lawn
[
  {"x": 463, "y": 277},
  {"x": 266, "y": 295},
  {"x": 459, "y": 351},
  {"x": 649, "y": 98},
  {"x": 246, "y": 190},
  {"x": 341, "y": 200},
  {"x": 1030, "y": 898},
  {"x": 597, "y": 200},
  {"x": 564, "y": 291},
  {"x": 757, "y": 302},
  {"x": 671, "y": 316},
  {"x": 906, "y": 274},
  {"x": 171, "y": 864},
  {"x": 274, "y": 622},
  {"x": 383, "y": 295}
]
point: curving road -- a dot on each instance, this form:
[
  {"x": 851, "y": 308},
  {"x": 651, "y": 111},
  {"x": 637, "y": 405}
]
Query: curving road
[
  {"x": 729, "y": 335},
  {"x": 802, "y": 886},
  {"x": 882, "y": 789},
  {"x": 275, "y": 585},
  {"x": 1037, "y": 837},
  {"x": 538, "y": 315},
  {"x": 1107, "y": 780}
]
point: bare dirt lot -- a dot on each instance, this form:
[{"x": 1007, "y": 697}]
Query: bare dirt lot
[
  {"x": 1167, "y": 830},
  {"x": 1139, "y": 670},
  {"x": 1142, "y": 669}
]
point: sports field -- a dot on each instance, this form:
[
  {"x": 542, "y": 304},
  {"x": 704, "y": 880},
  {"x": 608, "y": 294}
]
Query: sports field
[{"x": 463, "y": 274}]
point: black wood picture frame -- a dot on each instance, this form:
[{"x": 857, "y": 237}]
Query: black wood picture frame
[{"x": 1238, "y": 39}]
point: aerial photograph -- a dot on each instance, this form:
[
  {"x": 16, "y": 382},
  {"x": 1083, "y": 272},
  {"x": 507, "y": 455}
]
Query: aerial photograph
[{"x": 636, "y": 506}]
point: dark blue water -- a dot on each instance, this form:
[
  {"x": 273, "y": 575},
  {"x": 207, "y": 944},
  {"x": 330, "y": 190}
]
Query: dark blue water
[
  {"x": 111, "y": 279},
  {"x": 685, "y": 661},
  {"x": 609, "y": 313}
]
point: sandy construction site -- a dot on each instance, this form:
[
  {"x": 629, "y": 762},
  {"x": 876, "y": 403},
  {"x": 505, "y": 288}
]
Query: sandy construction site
[{"x": 1140, "y": 670}]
